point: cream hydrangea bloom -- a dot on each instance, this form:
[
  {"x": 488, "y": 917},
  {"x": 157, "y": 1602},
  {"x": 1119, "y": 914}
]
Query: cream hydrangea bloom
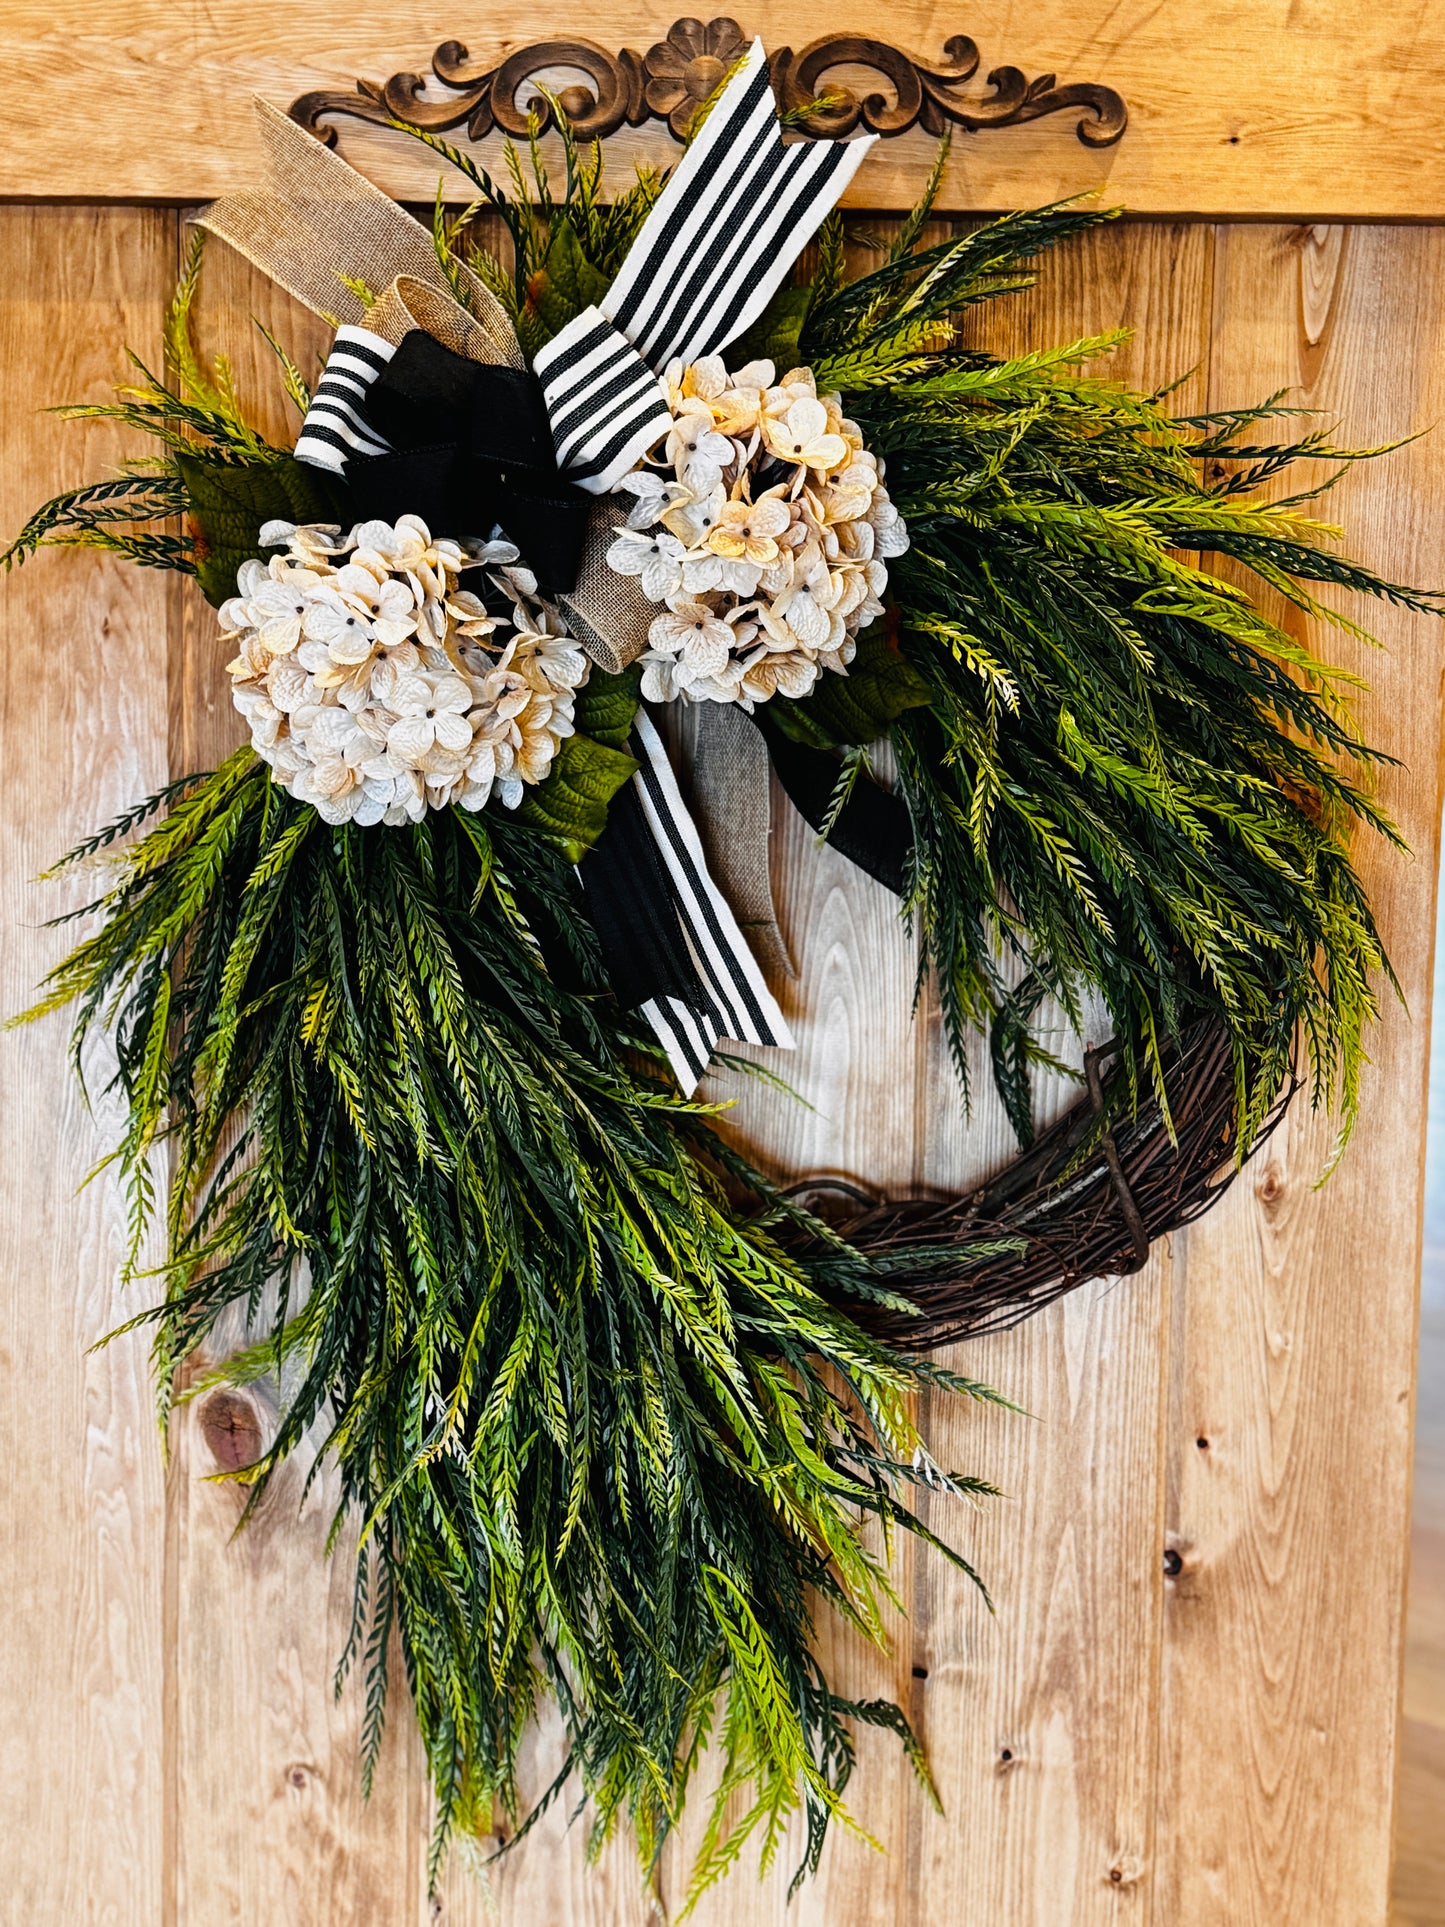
[
  {"x": 762, "y": 528},
  {"x": 377, "y": 688}
]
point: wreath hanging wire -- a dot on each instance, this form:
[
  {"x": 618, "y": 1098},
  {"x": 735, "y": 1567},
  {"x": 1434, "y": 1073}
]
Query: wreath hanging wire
[{"x": 612, "y": 1407}]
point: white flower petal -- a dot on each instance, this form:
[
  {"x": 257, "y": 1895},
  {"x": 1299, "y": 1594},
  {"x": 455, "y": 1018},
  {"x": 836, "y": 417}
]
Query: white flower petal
[
  {"x": 453, "y": 732},
  {"x": 410, "y": 738}
]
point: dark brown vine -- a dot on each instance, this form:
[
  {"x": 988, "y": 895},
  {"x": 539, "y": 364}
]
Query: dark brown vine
[{"x": 1085, "y": 1201}]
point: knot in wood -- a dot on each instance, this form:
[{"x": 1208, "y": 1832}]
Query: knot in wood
[
  {"x": 231, "y": 1427},
  {"x": 1270, "y": 1187}
]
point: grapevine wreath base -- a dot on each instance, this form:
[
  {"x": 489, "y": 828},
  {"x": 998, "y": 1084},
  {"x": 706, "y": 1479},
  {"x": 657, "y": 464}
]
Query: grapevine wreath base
[
  {"x": 1086, "y": 1200},
  {"x": 416, "y": 987}
]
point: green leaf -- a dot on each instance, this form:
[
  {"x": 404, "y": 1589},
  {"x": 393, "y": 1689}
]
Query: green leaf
[
  {"x": 861, "y": 706},
  {"x": 606, "y": 705},
  {"x": 774, "y": 335},
  {"x": 571, "y": 806},
  {"x": 567, "y": 281},
  {"x": 229, "y": 502}
]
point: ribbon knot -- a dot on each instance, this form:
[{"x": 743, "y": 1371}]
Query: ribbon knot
[{"x": 466, "y": 445}]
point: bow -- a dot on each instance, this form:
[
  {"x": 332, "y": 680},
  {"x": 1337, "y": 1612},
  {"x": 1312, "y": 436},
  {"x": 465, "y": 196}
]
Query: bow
[
  {"x": 426, "y": 407},
  {"x": 738, "y": 210}
]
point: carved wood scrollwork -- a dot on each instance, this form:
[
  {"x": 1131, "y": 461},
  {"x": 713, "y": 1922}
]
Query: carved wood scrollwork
[{"x": 675, "y": 76}]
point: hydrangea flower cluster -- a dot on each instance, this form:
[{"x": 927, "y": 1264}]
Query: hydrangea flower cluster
[
  {"x": 377, "y": 689},
  {"x": 763, "y": 528}
]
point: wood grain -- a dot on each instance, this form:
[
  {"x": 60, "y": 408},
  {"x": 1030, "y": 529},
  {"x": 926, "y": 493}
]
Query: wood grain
[
  {"x": 1043, "y": 1722},
  {"x": 1115, "y": 1744},
  {"x": 1288, "y": 1441},
  {"x": 270, "y": 1823},
  {"x": 82, "y": 650},
  {"x": 1291, "y": 108},
  {"x": 1418, "y": 1884}
]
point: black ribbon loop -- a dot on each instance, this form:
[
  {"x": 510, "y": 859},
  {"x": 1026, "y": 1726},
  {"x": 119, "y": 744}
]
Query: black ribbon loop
[
  {"x": 471, "y": 450},
  {"x": 873, "y": 828}
]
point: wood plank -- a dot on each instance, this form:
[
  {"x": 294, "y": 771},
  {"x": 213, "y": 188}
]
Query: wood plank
[
  {"x": 270, "y": 1822},
  {"x": 1293, "y": 1349},
  {"x": 849, "y": 1010},
  {"x": 853, "y": 1117},
  {"x": 1042, "y": 1722},
  {"x": 1418, "y": 1878},
  {"x": 82, "y": 642},
  {"x": 270, "y": 1819},
  {"x": 1290, "y": 108},
  {"x": 547, "y": 1877}
]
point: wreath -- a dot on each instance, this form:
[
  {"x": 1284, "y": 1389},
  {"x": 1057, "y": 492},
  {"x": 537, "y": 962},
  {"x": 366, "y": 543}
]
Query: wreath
[{"x": 415, "y": 988}]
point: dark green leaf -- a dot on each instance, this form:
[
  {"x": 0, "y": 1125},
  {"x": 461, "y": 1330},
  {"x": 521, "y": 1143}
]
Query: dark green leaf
[
  {"x": 606, "y": 705},
  {"x": 229, "y": 503},
  {"x": 567, "y": 282},
  {"x": 774, "y": 335},
  {"x": 570, "y": 808},
  {"x": 863, "y": 705}
]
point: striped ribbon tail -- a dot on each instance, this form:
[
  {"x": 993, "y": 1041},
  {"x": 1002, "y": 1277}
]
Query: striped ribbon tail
[
  {"x": 739, "y": 210},
  {"x": 734, "y": 1001},
  {"x": 334, "y": 428}
]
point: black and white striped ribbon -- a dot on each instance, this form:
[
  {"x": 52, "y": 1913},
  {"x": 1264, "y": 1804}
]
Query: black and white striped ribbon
[
  {"x": 734, "y": 1000},
  {"x": 334, "y": 428},
  {"x": 606, "y": 406},
  {"x": 736, "y": 214},
  {"x": 739, "y": 210}
]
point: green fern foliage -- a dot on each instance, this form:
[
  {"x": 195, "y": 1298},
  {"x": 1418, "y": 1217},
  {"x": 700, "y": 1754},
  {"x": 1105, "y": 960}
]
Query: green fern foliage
[
  {"x": 610, "y": 1444},
  {"x": 1129, "y": 779}
]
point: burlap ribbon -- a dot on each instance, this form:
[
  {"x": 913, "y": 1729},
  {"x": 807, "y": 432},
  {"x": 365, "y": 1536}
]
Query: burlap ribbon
[
  {"x": 730, "y": 788},
  {"x": 317, "y": 226}
]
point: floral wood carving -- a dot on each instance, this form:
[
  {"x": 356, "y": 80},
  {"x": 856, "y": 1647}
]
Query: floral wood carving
[{"x": 673, "y": 78}]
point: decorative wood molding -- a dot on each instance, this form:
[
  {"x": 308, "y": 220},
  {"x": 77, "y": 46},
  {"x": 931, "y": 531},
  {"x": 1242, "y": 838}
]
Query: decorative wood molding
[{"x": 671, "y": 80}]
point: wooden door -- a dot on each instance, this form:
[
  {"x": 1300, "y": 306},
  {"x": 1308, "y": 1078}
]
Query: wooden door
[{"x": 1184, "y": 1710}]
